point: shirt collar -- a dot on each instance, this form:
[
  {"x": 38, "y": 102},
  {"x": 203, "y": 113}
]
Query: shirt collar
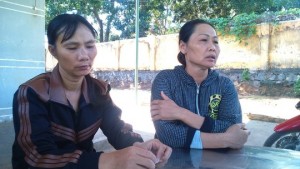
[{"x": 57, "y": 91}]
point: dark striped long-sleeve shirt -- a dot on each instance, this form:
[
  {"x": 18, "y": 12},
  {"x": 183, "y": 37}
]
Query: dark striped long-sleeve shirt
[{"x": 215, "y": 98}]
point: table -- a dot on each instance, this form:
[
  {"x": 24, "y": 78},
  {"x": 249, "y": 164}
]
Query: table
[{"x": 249, "y": 157}]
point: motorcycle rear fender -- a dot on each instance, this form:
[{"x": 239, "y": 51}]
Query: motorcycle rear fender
[{"x": 292, "y": 124}]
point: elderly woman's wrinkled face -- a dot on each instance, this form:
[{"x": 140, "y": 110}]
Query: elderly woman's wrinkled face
[{"x": 202, "y": 49}]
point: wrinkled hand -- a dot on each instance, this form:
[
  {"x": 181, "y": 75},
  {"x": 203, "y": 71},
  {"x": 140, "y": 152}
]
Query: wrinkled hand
[
  {"x": 165, "y": 109},
  {"x": 160, "y": 150},
  {"x": 236, "y": 136},
  {"x": 133, "y": 157}
]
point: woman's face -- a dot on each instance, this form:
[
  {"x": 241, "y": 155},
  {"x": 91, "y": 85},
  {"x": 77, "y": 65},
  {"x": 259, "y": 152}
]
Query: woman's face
[
  {"x": 76, "y": 55},
  {"x": 202, "y": 49}
]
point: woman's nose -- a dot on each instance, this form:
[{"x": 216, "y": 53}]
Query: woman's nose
[
  {"x": 83, "y": 54},
  {"x": 212, "y": 46}
]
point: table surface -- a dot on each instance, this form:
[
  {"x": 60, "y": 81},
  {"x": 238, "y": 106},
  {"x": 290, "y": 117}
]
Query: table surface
[{"x": 249, "y": 157}]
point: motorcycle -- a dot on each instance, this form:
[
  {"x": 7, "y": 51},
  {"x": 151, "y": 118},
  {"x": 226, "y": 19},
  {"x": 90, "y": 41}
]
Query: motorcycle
[{"x": 286, "y": 134}]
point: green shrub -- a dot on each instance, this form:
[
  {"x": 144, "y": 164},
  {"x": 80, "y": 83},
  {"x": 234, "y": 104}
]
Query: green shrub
[
  {"x": 222, "y": 25},
  {"x": 246, "y": 75},
  {"x": 297, "y": 86},
  {"x": 243, "y": 25}
]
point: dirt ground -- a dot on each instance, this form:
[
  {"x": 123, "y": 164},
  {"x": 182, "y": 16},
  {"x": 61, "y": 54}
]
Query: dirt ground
[{"x": 270, "y": 90}]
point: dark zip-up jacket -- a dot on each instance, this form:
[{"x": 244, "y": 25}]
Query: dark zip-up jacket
[
  {"x": 50, "y": 134},
  {"x": 215, "y": 98}
]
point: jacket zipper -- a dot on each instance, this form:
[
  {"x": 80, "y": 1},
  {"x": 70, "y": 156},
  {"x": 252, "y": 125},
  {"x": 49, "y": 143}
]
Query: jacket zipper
[{"x": 197, "y": 99}]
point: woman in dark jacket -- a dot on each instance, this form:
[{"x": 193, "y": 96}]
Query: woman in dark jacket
[
  {"x": 192, "y": 105},
  {"x": 57, "y": 114}
]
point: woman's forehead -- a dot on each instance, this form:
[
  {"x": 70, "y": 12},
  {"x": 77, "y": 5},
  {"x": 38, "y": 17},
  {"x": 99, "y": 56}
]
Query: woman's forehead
[
  {"x": 81, "y": 32},
  {"x": 205, "y": 30}
]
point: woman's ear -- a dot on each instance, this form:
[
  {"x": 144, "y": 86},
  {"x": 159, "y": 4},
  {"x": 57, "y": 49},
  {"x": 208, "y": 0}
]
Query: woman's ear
[
  {"x": 52, "y": 50},
  {"x": 182, "y": 47}
]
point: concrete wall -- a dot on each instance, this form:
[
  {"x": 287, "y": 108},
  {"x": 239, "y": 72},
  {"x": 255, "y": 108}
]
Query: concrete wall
[
  {"x": 22, "y": 51},
  {"x": 272, "y": 47}
]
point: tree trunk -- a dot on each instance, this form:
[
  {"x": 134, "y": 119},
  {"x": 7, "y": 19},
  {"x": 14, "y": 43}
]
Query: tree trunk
[
  {"x": 100, "y": 22},
  {"x": 109, "y": 21},
  {"x": 108, "y": 27}
]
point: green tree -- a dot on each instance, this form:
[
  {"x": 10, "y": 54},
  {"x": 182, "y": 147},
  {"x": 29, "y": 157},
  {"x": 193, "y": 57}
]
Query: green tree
[
  {"x": 190, "y": 9},
  {"x": 127, "y": 17},
  {"x": 165, "y": 16},
  {"x": 106, "y": 14},
  {"x": 161, "y": 14},
  {"x": 278, "y": 5},
  {"x": 250, "y": 6},
  {"x": 103, "y": 12},
  {"x": 92, "y": 8}
]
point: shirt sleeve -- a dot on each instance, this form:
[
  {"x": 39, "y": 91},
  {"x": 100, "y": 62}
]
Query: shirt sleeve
[
  {"x": 118, "y": 133},
  {"x": 34, "y": 139},
  {"x": 226, "y": 113},
  {"x": 173, "y": 133}
]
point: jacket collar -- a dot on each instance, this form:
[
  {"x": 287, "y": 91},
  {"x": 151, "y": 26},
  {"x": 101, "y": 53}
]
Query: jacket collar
[
  {"x": 57, "y": 91},
  {"x": 212, "y": 74},
  {"x": 184, "y": 75}
]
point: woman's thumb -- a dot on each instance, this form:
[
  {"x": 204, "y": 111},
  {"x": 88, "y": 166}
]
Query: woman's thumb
[{"x": 165, "y": 97}]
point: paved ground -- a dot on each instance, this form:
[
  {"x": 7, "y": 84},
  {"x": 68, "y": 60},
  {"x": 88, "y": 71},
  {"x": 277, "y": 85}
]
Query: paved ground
[
  {"x": 139, "y": 116},
  {"x": 6, "y": 139}
]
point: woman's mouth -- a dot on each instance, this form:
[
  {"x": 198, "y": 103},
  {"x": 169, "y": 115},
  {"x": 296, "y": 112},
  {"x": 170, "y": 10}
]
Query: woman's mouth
[
  {"x": 211, "y": 57},
  {"x": 84, "y": 67}
]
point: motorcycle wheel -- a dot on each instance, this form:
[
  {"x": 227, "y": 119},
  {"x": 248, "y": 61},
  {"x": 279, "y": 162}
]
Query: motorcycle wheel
[{"x": 284, "y": 140}]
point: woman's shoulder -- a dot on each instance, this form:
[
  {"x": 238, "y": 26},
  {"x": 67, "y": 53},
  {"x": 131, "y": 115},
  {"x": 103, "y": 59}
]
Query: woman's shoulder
[
  {"x": 168, "y": 73},
  {"x": 215, "y": 74},
  {"x": 39, "y": 79},
  {"x": 39, "y": 84},
  {"x": 219, "y": 79},
  {"x": 101, "y": 84},
  {"x": 165, "y": 72}
]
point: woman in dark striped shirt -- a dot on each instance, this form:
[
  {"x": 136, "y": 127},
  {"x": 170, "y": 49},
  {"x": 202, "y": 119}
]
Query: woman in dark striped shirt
[
  {"x": 192, "y": 105},
  {"x": 57, "y": 114}
]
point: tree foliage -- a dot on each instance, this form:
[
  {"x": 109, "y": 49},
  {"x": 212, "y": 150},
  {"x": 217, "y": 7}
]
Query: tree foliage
[
  {"x": 91, "y": 8},
  {"x": 107, "y": 14},
  {"x": 250, "y": 6},
  {"x": 165, "y": 16},
  {"x": 190, "y": 9},
  {"x": 127, "y": 17}
]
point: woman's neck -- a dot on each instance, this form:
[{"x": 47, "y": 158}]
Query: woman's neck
[
  {"x": 71, "y": 84},
  {"x": 198, "y": 74}
]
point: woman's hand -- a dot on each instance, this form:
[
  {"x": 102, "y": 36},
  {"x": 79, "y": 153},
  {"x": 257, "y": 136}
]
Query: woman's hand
[
  {"x": 236, "y": 136},
  {"x": 165, "y": 109},
  {"x": 160, "y": 150},
  {"x": 133, "y": 157},
  {"x": 140, "y": 155}
]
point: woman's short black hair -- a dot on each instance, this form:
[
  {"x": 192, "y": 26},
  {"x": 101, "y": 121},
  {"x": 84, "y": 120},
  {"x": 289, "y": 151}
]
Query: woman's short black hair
[
  {"x": 185, "y": 33},
  {"x": 66, "y": 24}
]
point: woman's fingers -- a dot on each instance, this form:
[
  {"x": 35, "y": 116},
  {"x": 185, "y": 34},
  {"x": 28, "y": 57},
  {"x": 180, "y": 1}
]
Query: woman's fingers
[
  {"x": 155, "y": 110},
  {"x": 164, "y": 96},
  {"x": 164, "y": 153},
  {"x": 146, "y": 159}
]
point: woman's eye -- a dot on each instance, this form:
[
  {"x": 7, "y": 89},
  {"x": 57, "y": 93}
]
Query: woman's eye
[
  {"x": 216, "y": 42},
  {"x": 71, "y": 48},
  {"x": 92, "y": 46},
  {"x": 204, "y": 40}
]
